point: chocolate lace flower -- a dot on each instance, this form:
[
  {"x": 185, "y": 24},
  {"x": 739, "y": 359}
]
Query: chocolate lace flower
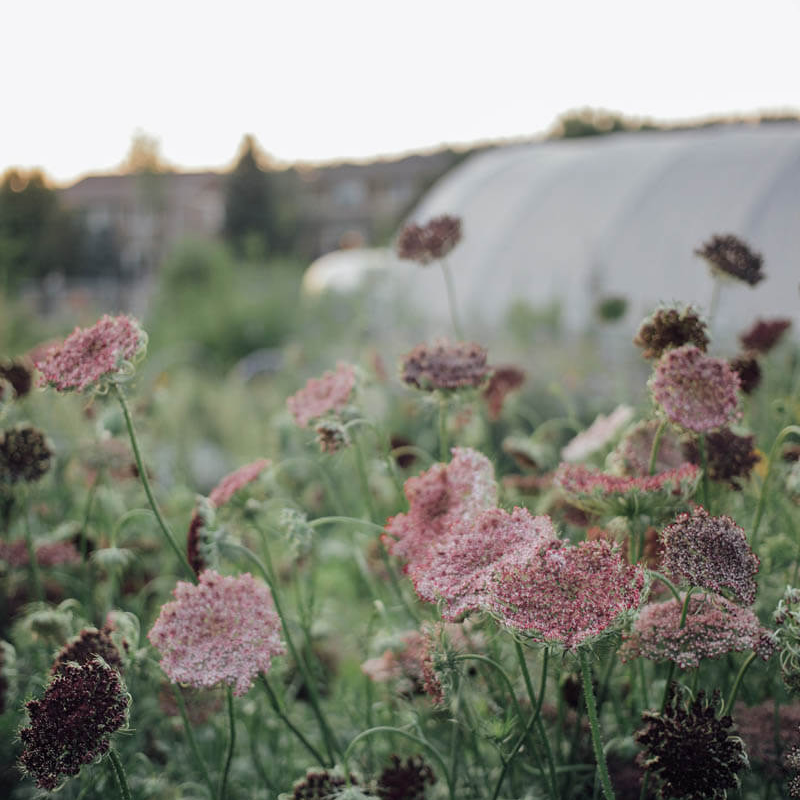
[
  {"x": 729, "y": 256},
  {"x": 599, "y": 434},
  {"x": 565, "y": 594},
  {"x": 87, "y": 645},
  {"x": 764, "y": 334},
  {"x": 321, "y": 396},
  {"x": 713, "y": 627},
  {"x": 747, "y": 368},
  {"x": 429, "y": 242},
  {"x": 695, "y": 391},
  {"x": 669, "y": 328},
  {"x": 18, "y": 372},
  {"x": 89, "y": 357},
  {"x": 320, "y": 784},
  {"x": 459, "y": 567},
  {"x": 600, "y": 493},
  {"x": 691, "y": 753},
  {"x": 730, "y": 457},
  {"x": 25, "y": 454},
  {"x": 437, "y": 498},
  {"x": 71, "y": 725},
  {"x": 445, "y": 365},
  {"x": 502, "y": 381},
  {"x": 221, "y": 630},
  {"x": 632, "y": 455},
  {"x": 711, "y": 553},
  {"x": 405, "y": 780}
]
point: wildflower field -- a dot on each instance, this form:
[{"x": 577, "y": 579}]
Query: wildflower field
[{"x": 333, "y": 576}]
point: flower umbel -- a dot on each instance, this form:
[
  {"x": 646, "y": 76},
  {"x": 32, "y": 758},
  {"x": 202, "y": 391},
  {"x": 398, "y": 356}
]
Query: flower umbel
[
  {"x": 221, "y": 630},
  {"x": 599, "y": 434},
  {"x": 89, "y": 357},
  {"x": 71, "y": 725},
  {"x": 322, "y": 395},
  {"x": 429, "y": 242},
  {"x": 445, "y": 365},
  {"x": 695, "y": 391},
  {"x": 237, "y": 480},
  {"x": 729, "y": 255},
  {"x": 730, "y": 457},
  {"x": 405, "y": 780},
  {"x": 764, "y": 334},
  {"x": 87, "y": 645},
  {"x": 25, "y": 454},
  {"x": 668, "y": 328}
]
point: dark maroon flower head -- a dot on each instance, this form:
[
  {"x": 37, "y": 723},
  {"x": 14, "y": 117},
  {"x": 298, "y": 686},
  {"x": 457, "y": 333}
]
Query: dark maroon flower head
[
  {"x": 25, "y": 454},
  {"x": 405, "y": 780},
  {"x": 746, "y": 366},
  {"x": 19, "y": 373},
  {"x": 320, "y": 784},
  {"x": 731, "y": 458},
  {"x": 729, "y": 255},
  {"x": 764, "y": 334},
  {"x": 502, "y": 381},
  {"x": 668, "y": 328},
  {"x": 711, "y": 553},
  {"x": 86, "y": 646},
  {"x": 445, "y": 365},
  {"x": 691, "y": 753},
  {"x": 429, "y": 242},
  {"x": 71, "y": 725}
]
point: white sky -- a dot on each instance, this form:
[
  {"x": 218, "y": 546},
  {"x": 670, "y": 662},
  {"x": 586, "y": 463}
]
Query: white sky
[{"x": 355, "y": 78}]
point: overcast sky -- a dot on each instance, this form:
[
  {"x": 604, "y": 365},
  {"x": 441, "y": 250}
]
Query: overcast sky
[{"x": 358, "y": 78}]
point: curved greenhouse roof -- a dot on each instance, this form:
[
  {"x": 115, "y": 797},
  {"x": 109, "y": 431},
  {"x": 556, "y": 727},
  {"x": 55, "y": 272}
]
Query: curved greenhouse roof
[{"x": 577, "y": 220}]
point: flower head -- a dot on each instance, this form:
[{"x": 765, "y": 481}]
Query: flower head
[
  {"x": 565, "y": 594},
  {"x": 221, "y": 630},
  {"x": 711, "y": 553},
  {"x": 322, "y": 395},
  {"x": 747, "y": 368},
  {"x": 437, "y": 498},
  {"x": 600, "y": 493},
  {"x": 695, "y": 391},
  {"x": 632, "y": 454},
  {"x": 668, "y": 328},
  {"x": 692, "y": 753},
  {"x": 730, "y": 457},
  {"x": 502, "y": 381},
  {"x": 729, "y": 256},
  {"x": 405, "y": 780},
  {"x": 445, "y": 365},
  {"x": 71, "y": 725},
  {"x": 713, "y": 627},
  {"x": 764, "y": 334},
  {"x": 87, "y": 645},
  {"x": 429, "y": 242},
  {"x": 89, "y": 357},
  {"x": 19, "y": 373},
  {"x": 459, "y": 566},
  {"x": 25, "y": 454},
  {"x": 320, "y": 784},
  {"x": 237, "y": 480},
  {"x": 597, "y": 435}
]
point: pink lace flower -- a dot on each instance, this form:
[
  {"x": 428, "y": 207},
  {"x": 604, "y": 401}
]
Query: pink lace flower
[
  {"x": 221, "y": 630},
  {"x": 600, "y": 433},
  {"x": 714, "y": 626},
  {"x": 458, "y": 568},
  {"x": 565, "y": 594},
  {"x": 90, "y": 356},
  {"x": 600, "y": 493},
  {"x": 697, "y": 392},
  {"x": 322, "y": 395},
  {"x": 231, "y": 484},
  {"x": 437, "y": 498},
  {"x": 712, "y": 553}
]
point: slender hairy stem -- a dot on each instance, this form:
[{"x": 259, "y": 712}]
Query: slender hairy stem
[
  {"x": 701, "y": 446},
  {"x": 165, "y": 529},
  {"x": 597, "y": 741},
  {"x": 451, "y": 298},
  {"x": 119, "y": 774},
  {"x": 737, "y": 682},
  {"x": 435, "y": 754},
  {"x": 656, "y": 445},
  {"x": 187, "y": 726},
  {"x": 226, "y": 766}
]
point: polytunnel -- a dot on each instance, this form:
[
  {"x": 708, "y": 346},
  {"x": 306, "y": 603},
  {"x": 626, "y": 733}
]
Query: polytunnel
[{"x": 573, "y": 221}]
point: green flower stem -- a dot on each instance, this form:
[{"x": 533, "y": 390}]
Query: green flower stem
[
  {"x": 315, "y": 523},
  {"x": 170, "y": 537},
  {"x": 187, "y": 726},
  {"x": 33, "y": 563},
  {"x": 267, "y": 574},
  {"x": 737, "y": 682},
  {"x": 119, "y": 774},
  {"x": 667, "y": 582},
  {"x": 435, "y": 754},
  {"x": 451, "y": 298},
  {"x": 443, "y": 452},
  {"x": 591, "y": 708},
  {"x": 361, "y": 467},
  {"x": 330, "y": 490},
  {"x": 656, "y": 445},
  {"x": 787, "y": 431},
  {"x": 539, "y": 727},
  {"x": 226, "y": 766},
  {"x": 701, "y": 446}
]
